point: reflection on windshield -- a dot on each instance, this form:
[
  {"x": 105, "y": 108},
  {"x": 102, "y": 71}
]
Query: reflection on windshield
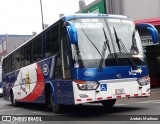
[
  {"x": 134, "y": 48},
  {"x": 91, "y": 42},
  {"x": 125, "y": 30},
  {"x": 122, "y": 48}
]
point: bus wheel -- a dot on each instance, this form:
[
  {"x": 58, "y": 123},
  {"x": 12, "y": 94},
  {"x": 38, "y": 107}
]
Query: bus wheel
[
  {"x": 108, "y": 103},
  {"x": 55, "y": 107},
  {"x": 13, "y": 101}
]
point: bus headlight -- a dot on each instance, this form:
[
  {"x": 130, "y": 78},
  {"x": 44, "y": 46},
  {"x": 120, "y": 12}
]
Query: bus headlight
[
  {"x": 144, "y": 81},
  {"x": 87, "y": 85}
]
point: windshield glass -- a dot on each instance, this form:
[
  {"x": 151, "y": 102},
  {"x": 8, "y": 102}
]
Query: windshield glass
[{"x": 91, "y": 38}]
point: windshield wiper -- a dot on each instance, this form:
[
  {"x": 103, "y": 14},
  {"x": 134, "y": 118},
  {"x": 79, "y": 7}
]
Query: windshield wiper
[
  {"x": 122, "y": 47},
  {"x": 106, "y": 43},
  {"x": 134, "y": 44},
  {"x": 91, "y": 42}
]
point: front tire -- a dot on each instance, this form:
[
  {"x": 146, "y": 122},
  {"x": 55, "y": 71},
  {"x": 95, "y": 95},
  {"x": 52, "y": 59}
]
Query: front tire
[
  {"x": 56, "y": 108},
  {"x": 108, "y": 104}
]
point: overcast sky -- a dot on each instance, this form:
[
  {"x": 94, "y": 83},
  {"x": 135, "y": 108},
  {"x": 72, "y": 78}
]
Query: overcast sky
[{"x": 24, "y": 16}]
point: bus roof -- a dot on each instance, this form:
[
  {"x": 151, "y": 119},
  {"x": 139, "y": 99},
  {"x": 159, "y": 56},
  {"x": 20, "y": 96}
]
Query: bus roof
[{"x": 85, "y": 15}]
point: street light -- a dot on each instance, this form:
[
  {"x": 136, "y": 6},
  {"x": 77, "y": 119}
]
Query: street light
[{"x": 42, "y": 14}]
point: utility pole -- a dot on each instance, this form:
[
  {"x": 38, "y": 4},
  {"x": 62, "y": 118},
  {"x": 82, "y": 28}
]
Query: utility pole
[{"x": 42, "y": 14}]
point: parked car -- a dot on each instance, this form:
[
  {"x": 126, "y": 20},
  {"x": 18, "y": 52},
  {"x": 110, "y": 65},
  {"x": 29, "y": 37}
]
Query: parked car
[{"x": 1, "y": 89}]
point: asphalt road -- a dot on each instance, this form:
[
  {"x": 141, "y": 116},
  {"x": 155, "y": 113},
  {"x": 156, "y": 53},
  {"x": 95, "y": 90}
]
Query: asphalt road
[{"x": 124, "y": 110}]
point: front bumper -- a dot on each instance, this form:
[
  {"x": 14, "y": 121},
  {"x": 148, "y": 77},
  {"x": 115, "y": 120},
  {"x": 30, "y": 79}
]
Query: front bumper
[{"x": 111, "y": 89}]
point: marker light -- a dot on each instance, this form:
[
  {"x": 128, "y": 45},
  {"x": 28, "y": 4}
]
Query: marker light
[
  {"x": 87, "y": 85},
  {"x": 144, "y": 80}
]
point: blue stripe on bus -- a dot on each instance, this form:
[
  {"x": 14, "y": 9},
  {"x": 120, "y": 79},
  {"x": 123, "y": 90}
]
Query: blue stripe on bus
[
  {"x": 64, "y": 92},
  {"x": 107, "y": 73}
]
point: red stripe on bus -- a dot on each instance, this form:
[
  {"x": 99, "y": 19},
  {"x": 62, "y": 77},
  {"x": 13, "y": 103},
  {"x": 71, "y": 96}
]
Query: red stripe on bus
[
  {"x": 100, "y": 98},
  {"x": 135, "y": 94},
  {"x": 143, "y": 93},
  {"x": 127, "y": 95},
  {"x": 39, "y": 88},
  {"x": 118, "y": 96},
  {"x": 89, "y": 99},
  {"x": 109, "y": 97},
  {"x": 79, "y": 100}
]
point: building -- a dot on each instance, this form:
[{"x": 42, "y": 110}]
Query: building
[
  {"x": 10, "y": 42},
  {"x": 141, "y": 11},
  {"x": 151, "y": 50},
  {"x": 136, "y": 9}
]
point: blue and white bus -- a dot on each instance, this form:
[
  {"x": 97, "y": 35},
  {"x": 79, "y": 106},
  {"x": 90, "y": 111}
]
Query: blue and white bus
[{"x": 81, "y": 58}]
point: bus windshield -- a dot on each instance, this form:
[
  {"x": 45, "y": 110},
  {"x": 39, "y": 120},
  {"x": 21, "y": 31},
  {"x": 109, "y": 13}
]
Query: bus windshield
[{"x": 122, "y": 40}]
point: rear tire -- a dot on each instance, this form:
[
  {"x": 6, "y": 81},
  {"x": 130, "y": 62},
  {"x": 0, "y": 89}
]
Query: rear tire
[
  {"x": 108, "y": 104},
  {"x": 13, "y": 101},
  {"x": 56, "y": 108}
]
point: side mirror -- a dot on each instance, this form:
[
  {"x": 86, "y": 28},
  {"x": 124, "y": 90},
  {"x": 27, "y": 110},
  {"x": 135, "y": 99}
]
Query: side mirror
[
  {"x": 72, "y": 31},
  {"x": 153, "y": 31}
]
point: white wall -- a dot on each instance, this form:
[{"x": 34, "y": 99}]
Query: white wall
[{"x": 141, "y": 9}]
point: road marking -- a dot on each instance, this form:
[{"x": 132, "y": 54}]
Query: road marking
[
  {"x": 157, "y": 102},
  {"x": 38, "y": 113},
  {"x": 148, "y": 101},
  {"x": 4, "y": 102},
  {"x": 120, "y": 104},
  {"x": 8, "y": 110}
]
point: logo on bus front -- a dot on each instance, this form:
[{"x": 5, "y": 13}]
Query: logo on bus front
[
  {"x": 134, "y": 72},
  {"x": 89, "y": 73},
  {"x": 45, "y": 69}
]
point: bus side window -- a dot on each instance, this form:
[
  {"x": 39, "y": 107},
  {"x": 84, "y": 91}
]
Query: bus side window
[
  {"x": 5, "y": 66},
  {"x": 22, "y": 57},
  {"x": 27, "y": 54},
  {"x": 54, "y": 48},
  {"x": 9, "y": 64},
  {"x": 52, "y": 42},
  {"x": 58, "y": 70},
  {"x": 13, "y": 61},
  {"x": 65, "y": 57},
  {"x": 18, "y": 59},
  {"x": 37, "y": 49}
]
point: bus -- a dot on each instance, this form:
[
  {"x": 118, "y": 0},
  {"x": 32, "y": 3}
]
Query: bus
[{"x": 81, "y": 58}]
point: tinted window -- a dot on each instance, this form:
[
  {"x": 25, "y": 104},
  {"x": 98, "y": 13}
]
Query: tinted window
[
  {"x": 65, "y": 57},
  {"x": 5, "y": 61},
  {"x": 27, "y": 54},
  {"x": 18, "y": 59},
  {"x": 13, "y": 61},
  {"x": 37, "y": 49},
  {"x": 52, "y": 41}
]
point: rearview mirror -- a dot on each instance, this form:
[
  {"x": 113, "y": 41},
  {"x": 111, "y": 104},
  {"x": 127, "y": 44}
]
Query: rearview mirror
[
  {"x": 153, "y": 31},
  {"x": 72, "y": 31}
]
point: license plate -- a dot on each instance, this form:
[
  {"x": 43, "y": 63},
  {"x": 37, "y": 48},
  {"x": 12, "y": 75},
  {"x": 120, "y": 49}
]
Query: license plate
[{"x": 119, "y": 91}]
